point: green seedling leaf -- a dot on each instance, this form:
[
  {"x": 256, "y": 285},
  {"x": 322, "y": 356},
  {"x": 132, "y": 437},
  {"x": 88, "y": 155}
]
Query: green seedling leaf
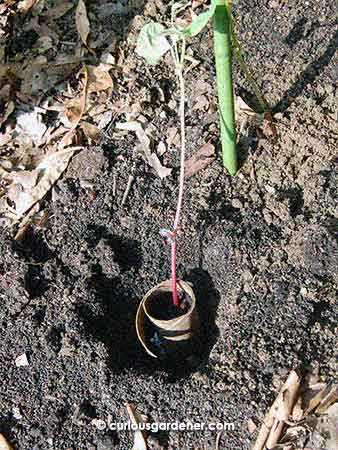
[
  {"x": 200, "y": 21},
  {"x": 151, "y": 43}
]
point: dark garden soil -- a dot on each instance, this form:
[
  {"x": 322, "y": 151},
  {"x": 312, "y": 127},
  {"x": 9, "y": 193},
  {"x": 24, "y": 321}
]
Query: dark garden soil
[{"x": 260, "y": 248}]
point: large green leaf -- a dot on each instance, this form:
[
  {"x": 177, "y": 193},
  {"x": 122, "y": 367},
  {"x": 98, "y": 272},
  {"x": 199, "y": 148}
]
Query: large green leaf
[{"x": 151, "y": 43}]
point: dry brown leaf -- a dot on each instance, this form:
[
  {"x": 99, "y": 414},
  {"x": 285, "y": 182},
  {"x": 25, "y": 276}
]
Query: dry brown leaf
[
  {"x": 91, "y": 131},
  {"x": 324, "y": 430},
  {"x": 96, "y": 110},
  {"x": 283, "y": 406},
  {"x": 74, "y": 110},
  {"x": 312, "y": 419},
  {"x": 26, "y": 222},
  {"x": 80, "y": 111},
  {"x": 6, "y": 137},
  {"x": 104, "y": 119},
  {"x": 98, "y": 79},
  {"x": 331, "y": 396},
  {"x": 156, "y": 164},
  {"x": 144, "y": 147},
  {"x": 136, "y": 419},
  {"x": 60, "y": 9},
  {"x": 298, "y": 411},
  {"x": 29, "y": 187},
  {"x": 82, "y": 22},
  {"x": 265, "y": 124},
  {"x": 9, "y": 108},
  {"x": 252, "y": 427},
  {"x": 201, "y": 159},
  {"x": 38, "y": 77},
  {"x": 313, "y": 396},
  {"x": 4, "y": 445},
  {"x": 25, "y": 5},
  {"x": 287, "y": 446},
  {"x": 218, "y": 440},
  {"x": 2, "y": 53},
  {"x": 161, "y": 148},
  {"x": 242, "y": 108},
  {"x": 173, "y": 137},
  {"x": 269, "y": 130},
  {"x": 272, "y": 427},
  {"x": 292, "y": 434},
  {"x": 201, "y": 103},
  {"x": 52, "y": 134}
]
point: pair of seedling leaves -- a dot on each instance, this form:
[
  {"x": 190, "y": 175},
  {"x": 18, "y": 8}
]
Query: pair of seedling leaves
[{"x": 152, "y": 43}]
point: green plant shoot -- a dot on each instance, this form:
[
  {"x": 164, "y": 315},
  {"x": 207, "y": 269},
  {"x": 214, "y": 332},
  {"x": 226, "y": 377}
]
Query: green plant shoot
[
  {"x": 152, "y": 45},
  {"x": 223, "y": 60}
]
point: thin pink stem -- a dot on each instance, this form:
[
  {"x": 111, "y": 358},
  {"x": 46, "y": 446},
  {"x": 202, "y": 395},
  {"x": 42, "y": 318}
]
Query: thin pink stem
[
  {"x": 173, "y": 272},
  {"x": 181, "y": 185}
]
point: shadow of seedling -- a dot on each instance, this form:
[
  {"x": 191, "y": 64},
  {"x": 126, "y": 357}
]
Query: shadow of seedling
[
  {"x": 109, "y": 317},
  {"x": 126, "y": 252},
  {"x": 303, "y": 29},
  {"x": 208, "y": 300},
  {"x": 308, "y": 76}
]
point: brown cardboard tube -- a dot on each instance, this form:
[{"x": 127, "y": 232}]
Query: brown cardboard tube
[{"x": 181, "y": 328}]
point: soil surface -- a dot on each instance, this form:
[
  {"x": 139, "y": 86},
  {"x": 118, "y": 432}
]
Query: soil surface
[{"x": 260, "y": 248}]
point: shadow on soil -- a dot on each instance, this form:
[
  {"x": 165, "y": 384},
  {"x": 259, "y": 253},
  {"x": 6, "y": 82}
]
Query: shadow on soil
[
  {"x": 208, "y": 301},
  {"x": 127, "y": 252},
  {"x": 308, "y": 76},
  {"x": 302, "y": 30},
  {"x": 34, "y": 250},
  {"x": 111, "y": 319}
]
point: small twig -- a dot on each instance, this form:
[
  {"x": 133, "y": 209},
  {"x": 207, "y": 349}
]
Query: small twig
[
  {"x": 218, "y": 438},
  {"x": 128, "y": 187},
  {"x": 114, "y": 185},
  {"x": 273, "y": 423}
]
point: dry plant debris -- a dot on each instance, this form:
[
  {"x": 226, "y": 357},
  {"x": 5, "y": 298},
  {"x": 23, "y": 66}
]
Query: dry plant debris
[
  {"x": 82, "y": 22},
  {"x": 136, "y": 418},
  {"x": 4, "y": 445},
  {"x": 264, "y": 123},
  {"x": 144, "y": 135},
  {"x": 199, "y": 160},
  {"x": 21, "y": 360},
  {"x": 53, "y": 99},
  {"x": 304, "y": 416}
]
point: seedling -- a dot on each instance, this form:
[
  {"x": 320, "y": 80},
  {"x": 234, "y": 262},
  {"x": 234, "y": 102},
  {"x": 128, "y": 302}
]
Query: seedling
[
  {"x": 154, "y": 42},
  {"x": 152, "y": 45}
]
